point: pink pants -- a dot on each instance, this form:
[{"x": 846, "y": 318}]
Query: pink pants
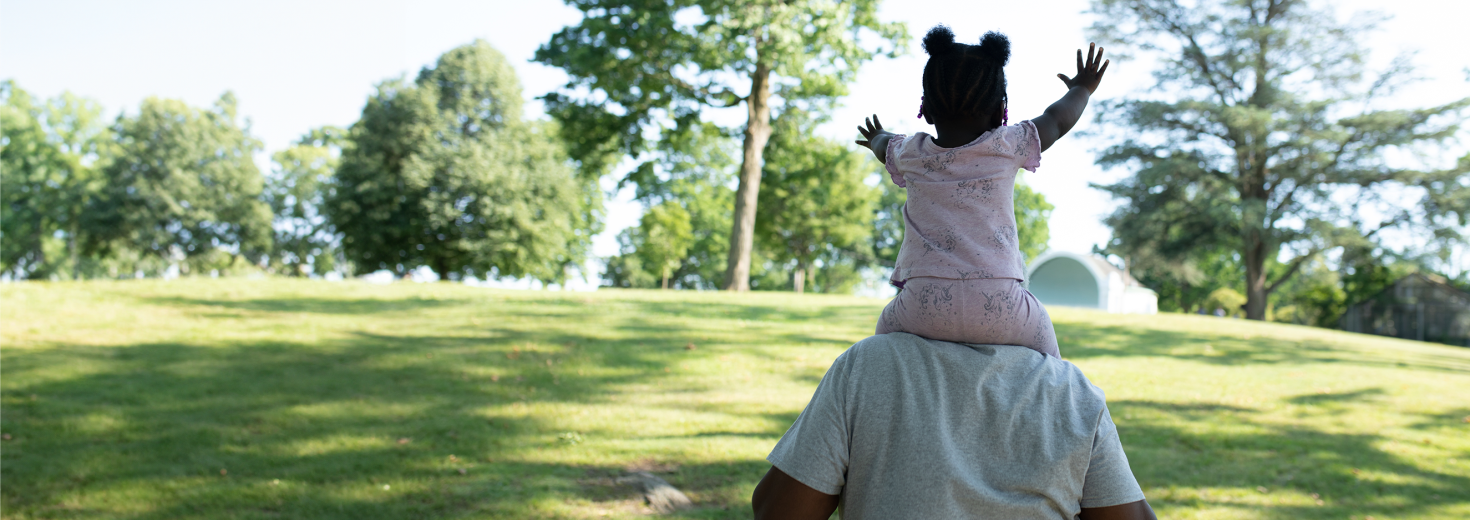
[{"x": 990, "y": 311}]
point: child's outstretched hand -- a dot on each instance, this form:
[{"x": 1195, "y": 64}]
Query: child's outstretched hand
[
  {"x": 875, "y": 138},
  {"x": 1089, "y": 75}
]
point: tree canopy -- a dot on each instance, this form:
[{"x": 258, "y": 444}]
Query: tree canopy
[
  {"x": 183, "y": 185},
  {"x": 1264, "y": 137},
  {"x": 443, "y": 172},
  {"x": 304, "y": 242},
  {"x": 817, "y": 205},
  {"x": 643, "y": 71},
  {"x": 50, "y": 153}
]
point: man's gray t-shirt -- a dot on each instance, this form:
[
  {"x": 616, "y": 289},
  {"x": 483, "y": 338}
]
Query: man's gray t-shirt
[{"x": 905, "y": 427}]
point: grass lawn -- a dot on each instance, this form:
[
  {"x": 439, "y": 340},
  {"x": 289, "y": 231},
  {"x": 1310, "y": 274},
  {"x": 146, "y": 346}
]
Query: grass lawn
[{"x": 298, "y": 399}]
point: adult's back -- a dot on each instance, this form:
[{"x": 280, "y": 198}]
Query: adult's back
[{"x": 904, "y": 427}]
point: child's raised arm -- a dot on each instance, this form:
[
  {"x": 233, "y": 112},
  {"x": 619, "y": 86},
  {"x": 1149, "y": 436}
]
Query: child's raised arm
[
  {"x": 875, "y": 138},
  {"x": 1062, "y": 115}
]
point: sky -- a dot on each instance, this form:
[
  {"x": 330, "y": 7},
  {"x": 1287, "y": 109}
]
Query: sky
[{"x": 296, "y": 65}]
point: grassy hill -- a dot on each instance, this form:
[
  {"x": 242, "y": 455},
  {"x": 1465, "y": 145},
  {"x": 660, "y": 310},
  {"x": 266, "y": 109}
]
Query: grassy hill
[{"x": 299, "y": 399}]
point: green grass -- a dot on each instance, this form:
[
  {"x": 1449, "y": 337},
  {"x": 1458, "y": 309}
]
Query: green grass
[{"x": 297, "y": 399}]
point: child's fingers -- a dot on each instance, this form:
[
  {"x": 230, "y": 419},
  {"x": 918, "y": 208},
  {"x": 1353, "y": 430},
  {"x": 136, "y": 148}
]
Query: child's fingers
[
  {"x": 876, "y": 122},
  {"x": 1103, "y": 69},
  {"x": 1090, "y": 48},
  {"x": 862, "y": 143},
  {"x": 1099, "y": 56},
  {"x": 1064, "y": 79},
  {"x": 1079, "y": 61}
]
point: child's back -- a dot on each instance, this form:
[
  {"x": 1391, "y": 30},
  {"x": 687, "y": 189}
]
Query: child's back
[
  {"x": 960, "y": 221},
  {"x": 960, "y": 267}
]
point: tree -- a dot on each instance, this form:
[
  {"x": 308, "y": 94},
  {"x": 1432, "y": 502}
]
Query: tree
[
  {"x": 662, "y": 239},
  {"x": 697, "y": 173},
  {"x": 26, "y": 159},
  {"x": 49, "y": 159},
  {"x": 184, "y": 185},
  {"x": 1264, "y": 139},
  {"x": 816, "y": 202},
  {"x": 655, "y": 66},
  {"x": 1033, "y": 217},
  {"x": 444, "y": 173},
  {"x": 304, "y": 241}
]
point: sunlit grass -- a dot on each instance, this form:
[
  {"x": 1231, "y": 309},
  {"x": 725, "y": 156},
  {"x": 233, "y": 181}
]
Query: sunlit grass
[{"x": 297, "y": 399}]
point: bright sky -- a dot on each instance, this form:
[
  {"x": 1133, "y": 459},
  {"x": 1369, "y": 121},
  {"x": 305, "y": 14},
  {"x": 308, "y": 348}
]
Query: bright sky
[{"x": 296, "y": 65}]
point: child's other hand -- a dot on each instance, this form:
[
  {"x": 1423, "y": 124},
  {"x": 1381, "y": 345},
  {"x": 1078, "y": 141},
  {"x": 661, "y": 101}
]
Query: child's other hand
[
  {"x": 1089, "y": 75},
  {"x": 875, "y": 138}
]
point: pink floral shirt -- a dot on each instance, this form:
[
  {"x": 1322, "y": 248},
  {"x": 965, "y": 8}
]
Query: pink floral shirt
[{"x": 959, "y": 221}]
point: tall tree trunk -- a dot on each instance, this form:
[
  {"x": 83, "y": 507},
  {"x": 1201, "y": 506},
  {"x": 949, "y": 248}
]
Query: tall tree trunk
[
  {"x": 1256, "y": 243},
  {"x": 798, "y": 279},
  {"x": 443, "y": 268},
  {"x": 71, "y": 247},
  {"x": 1255, "y": 277},
  {"x": 666, "y": 278},
  {"x": 757, "y": 132}
]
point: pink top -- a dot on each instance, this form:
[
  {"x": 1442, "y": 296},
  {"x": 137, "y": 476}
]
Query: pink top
[{"x": 959, "y": 221}]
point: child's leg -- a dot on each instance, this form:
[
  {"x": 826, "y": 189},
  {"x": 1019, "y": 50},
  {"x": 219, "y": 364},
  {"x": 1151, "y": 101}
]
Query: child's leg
[
  {"x": 986, "y": 311},
  {"x": 888, "y": 320},
  {"x": 1007, "y": 314},
  {"x": 1036, "y": 330},
  {"x": 926, "y": 307}
]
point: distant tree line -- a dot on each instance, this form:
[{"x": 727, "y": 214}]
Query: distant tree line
[{"x": 441, "y": 172}]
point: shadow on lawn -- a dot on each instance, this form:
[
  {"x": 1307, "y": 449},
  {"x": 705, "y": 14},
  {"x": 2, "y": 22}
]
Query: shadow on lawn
[
  {"x": 311, "y": 305},
  {"x": 1089, "y": 341},
  {"x": 1349, "y": 472},
  {"x": 161, "y": 420}
]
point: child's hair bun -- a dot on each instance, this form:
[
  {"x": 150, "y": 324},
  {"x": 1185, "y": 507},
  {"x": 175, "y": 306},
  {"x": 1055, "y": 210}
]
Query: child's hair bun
[
  {"x": 993, "y": 45},
  {"x": 939, "y": 41}
]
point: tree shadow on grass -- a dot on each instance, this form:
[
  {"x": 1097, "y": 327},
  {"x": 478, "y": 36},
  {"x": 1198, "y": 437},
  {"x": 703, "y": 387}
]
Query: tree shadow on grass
[
  {"x": 314, "y": 430},
  {"x": 1349, "y": 471},
  {"x": 160, "y": 420},
  {"x": 327, "y": 416},
  {"x": 311, "y": 305},
  {"x": 1338, "y": 398},
  {"x": 1089, "y": 341}
]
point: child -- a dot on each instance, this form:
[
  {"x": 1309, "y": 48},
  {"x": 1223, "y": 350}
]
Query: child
[{"x": 960, "y": 267}]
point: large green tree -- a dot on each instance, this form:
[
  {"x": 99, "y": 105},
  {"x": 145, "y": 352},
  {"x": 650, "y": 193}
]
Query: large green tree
[
  {"x": 50, "y": 154},
  {"x": 644, "y": 70},
  {"x": 443, "y": 172},
  {"x": 816, "y": 203},
  {"x": 1264, "y": 137},
  {"x": 304, "y": 242},
  {"x": 183, "y": 185}
]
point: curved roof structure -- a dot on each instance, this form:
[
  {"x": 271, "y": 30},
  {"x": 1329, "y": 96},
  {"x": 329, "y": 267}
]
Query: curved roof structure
[{"x": 1089, "y": 281}]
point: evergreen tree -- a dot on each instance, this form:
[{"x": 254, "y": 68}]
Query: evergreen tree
[{"x": 1264, "y": 140}]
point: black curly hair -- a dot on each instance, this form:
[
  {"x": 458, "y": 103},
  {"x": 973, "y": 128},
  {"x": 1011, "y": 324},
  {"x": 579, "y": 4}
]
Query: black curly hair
[{"x": 963, "y": 80}]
